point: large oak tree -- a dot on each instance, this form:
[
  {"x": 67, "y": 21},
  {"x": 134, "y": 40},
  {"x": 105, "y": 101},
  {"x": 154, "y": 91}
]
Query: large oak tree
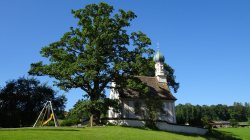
[{"x": 97, "y": 52}]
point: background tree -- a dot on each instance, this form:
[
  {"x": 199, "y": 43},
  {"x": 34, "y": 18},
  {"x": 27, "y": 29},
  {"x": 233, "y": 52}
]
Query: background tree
[
  {"x": 81, "y": 110},
  {"x": 238, "y": 112},
  {"x": 201, "y": 115},
  {"x": 222, "y": 112},
  {"x": 95, "y": 53},
  {"x": 21, "y": 101},
  {"x": 77, "y": 114}
]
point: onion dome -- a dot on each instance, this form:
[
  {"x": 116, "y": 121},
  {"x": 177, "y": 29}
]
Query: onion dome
[{"x": 159, "y": 57}]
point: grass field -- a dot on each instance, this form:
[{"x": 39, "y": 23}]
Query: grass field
[
  {"x": 95, "y": 133},
  {"x": 238, "y": 133},
  {"x": 114, "y": 133}
]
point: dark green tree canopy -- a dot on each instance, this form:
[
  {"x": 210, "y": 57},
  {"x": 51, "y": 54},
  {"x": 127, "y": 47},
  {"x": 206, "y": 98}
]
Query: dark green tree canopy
[
  {"x": 21, "y": 101},
  {"x": 196, "y": 114},
  {"x": 97, "y": 52}
]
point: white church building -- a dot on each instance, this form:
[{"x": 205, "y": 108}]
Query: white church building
[{"x": 133, "y": 106}]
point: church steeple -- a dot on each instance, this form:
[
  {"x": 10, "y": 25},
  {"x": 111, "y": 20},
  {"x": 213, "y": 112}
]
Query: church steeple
[
  {"x": 159, "y": 57},
  {"x": 160, "y": 72}
]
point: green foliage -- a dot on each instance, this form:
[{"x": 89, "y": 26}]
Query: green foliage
[
  {"x": 201, "y": 115},
  {"x": 21, "y": 101},
  {"x": 234, "y": 122},
  {"x": 239, "y": 112},
  {"x": 153, "y": 107},
  {"x": 189, "y": 114},
  {"x": 69, "y": 122},
  {"x": 171, "y": 77},
  {"x": 153, "y": 104},
  {"x": 95, "y": 53},
  {"x": 149, "y": 70},
  {"x": 247, "y": 105},
  {"x": 206, "y": 122},
  {"x": 82, "y": 109},
  {"x": 50, "y": 123}
]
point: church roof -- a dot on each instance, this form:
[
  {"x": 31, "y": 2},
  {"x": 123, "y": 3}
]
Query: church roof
[{"x": 159, "y": 89}]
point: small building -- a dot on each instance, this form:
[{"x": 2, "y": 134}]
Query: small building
[
  {"x": 133, "y": 107},
  {"x": 220, "y": 124},
  {"x": 243, "y": 124}
]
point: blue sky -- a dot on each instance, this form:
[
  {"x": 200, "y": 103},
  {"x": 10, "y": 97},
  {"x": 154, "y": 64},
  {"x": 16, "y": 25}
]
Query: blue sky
[{"x": 207, "y": 42}]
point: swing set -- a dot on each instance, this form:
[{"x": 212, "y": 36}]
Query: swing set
[{"x": 46, "y": 115}]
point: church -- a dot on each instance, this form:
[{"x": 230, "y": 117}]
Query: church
[{"x": 132, "y": 105}]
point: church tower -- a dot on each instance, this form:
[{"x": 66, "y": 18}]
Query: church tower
[{"x": 160, "y": 72}]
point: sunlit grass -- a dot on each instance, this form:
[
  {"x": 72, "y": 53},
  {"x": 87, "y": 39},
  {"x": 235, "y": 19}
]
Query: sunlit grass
[
  {"x": 240, "y": 133},
  {"x": 95, "y": 133}
]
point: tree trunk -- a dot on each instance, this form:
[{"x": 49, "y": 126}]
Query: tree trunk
[
  {"x": 95, "y": 118},
  {"x": 91, "y": 120},
  {"x": 95, "y": 113}
]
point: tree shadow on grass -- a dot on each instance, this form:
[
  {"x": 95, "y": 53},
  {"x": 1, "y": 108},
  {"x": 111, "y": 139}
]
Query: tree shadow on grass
[
  {"x": 177, "y": 133},
  {"x": 213, "y": 135},
  {"x": 222, "y": 135}
]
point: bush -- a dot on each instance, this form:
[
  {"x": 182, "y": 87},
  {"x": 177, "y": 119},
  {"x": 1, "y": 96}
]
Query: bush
[
  {"x": 69, "y": 122},
  {"x": 233, "y": 123},
  {"x": 206, "y": 123},
  {"x": 50, "y": 123}
]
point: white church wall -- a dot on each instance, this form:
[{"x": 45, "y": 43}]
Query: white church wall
[
  {"x": 133, "y": 123},
  {"x": 129, "y": 111},
  {"x": 174, "y": 115},
  {"x": 169, "y": 111},
  {"x": 180, "y": 128},
  {"x": 113, "y": 95},
  {"x": 163, "y": 126},
  {"x": 134, "y": 109}
]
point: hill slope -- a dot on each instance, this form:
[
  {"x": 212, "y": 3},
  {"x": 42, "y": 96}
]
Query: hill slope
[
  {"x": 95, "y": 133},
  {"x": 236, "y": 133}
]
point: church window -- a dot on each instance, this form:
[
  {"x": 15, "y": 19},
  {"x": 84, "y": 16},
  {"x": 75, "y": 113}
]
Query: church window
[
  {"x": 164, "y": 109},
  {"x": 137, "y": 108}
]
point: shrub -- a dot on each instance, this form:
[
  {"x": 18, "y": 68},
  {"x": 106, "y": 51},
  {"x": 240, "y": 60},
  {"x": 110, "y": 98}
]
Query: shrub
[
  {"x": 233, "y": 123},
  {"x": 69, "y": 122}
]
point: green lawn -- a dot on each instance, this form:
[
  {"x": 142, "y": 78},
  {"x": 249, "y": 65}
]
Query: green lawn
[
  {"x": 238, "y": 133},
  {"x": 95, "y": 133}
]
